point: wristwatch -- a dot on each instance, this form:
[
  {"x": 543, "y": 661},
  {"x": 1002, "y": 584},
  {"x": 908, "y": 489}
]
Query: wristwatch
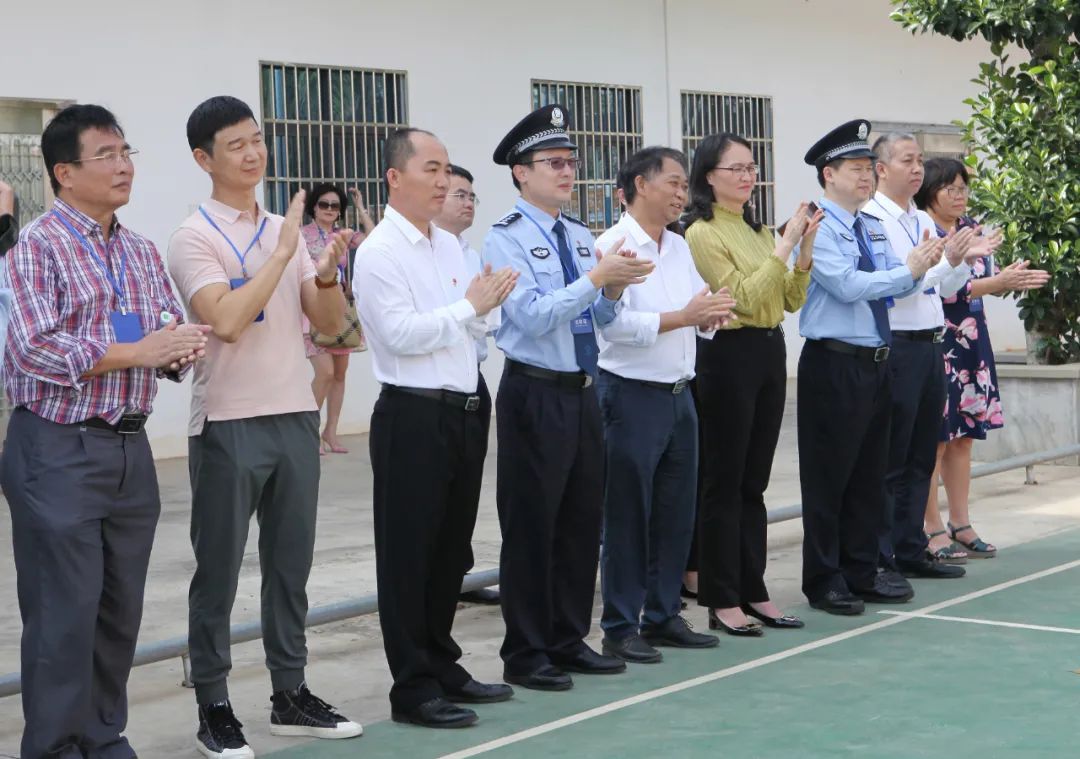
[{"x": 319, "y": 283}]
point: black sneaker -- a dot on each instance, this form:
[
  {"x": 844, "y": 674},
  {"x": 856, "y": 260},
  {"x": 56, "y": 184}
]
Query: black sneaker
[
  {"x": 299, "y": 712},
  {"x": 220, "y": 736}
]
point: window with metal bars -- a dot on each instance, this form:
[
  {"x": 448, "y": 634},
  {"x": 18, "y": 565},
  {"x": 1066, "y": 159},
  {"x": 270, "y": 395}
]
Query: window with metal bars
[
  {"x": 604, "y": 121},
  {"x": 329, "y": 124},
  {"x": 750, "y": 117}
]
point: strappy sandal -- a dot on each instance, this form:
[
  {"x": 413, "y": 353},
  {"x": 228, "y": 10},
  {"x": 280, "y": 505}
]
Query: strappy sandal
[
  {"x": 951, "y": 554},
  {"x": 977, "y": 548}
]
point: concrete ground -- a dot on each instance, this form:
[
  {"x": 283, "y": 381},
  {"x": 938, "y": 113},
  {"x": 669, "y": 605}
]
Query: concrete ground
[{"x": 347, "y": 665}]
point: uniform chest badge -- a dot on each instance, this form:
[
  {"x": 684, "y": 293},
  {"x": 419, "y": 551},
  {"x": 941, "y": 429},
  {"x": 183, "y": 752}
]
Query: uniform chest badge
[
  {"x": 540, "y": 252},
  {"x": 878, "y": 237},
  {"x": 847, "y": 237},
  {"x": 583, "y": 251}
]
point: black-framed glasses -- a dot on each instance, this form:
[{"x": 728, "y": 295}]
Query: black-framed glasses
[
  {"x": 328, "y": 205},
  {"x": 750, "y": 169},
  {"x": 112, "y": 159},
  {"x": 558, "y": 163},
  {"x": 463, "y": 196}
]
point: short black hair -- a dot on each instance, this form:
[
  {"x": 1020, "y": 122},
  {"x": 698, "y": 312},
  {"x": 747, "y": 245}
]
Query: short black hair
[
  {"x": 213, "y": 115},
  {"x": 647, "y": 163},
  {"x": 524, "y": 159},
  {"x": 457, "y": 171},
  {"x": 318, "y": 191},
  {"x": 61, "y": 140},
  {"x": 939, "y": 173},
  {"x": 834, "y": 164},
  {"x": 398, "y": 149}
]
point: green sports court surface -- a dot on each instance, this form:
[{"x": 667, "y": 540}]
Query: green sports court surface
[{"x": 983, "y": 666}]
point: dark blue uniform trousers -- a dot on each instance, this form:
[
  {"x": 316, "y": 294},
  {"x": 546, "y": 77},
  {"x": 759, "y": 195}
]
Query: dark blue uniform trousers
[
  {"x": 651, "y": 445},
  {"x": 84, "y": 506}
]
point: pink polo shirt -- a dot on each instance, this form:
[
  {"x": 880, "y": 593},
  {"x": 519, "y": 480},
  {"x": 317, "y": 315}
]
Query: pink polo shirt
[{"x": 265, "y": 371}]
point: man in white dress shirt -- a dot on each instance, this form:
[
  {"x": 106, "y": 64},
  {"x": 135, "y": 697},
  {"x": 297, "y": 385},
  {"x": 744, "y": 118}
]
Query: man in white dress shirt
[
  {"x": 422, "y": 311},
  {"x": 456, "y": 217},
  {"x": 916, "y": 363},
  {"x": 647, "y": 356}
]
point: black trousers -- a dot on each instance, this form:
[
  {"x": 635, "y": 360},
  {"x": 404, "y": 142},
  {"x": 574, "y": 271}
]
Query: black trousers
[
  {"x": 427, "y": 458},
  {"x": 84, "y": 506},
  {"x": 741, "y": 384},
  {"x": 918, "y": 400},
  {"x": 550, "y": 496},
  {"x": 844, "y": 410}
]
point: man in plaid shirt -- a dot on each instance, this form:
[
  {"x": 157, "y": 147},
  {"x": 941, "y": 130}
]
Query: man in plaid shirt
[{"x": 94, "y": 323}]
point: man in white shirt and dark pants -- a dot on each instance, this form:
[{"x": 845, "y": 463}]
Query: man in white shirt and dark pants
[
  {"x": 647, "y": 356},
  {"x": 916, "y": 362},
  {"x": 422, "y": 310},
  {"x": 456, "y": 217}
]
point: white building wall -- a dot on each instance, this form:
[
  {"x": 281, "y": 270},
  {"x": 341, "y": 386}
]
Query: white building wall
[{"x": 469, "y": 67}]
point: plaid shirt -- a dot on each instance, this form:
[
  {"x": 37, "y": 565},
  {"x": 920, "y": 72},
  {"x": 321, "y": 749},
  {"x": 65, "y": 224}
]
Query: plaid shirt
[{"x": 60, "y": 326}]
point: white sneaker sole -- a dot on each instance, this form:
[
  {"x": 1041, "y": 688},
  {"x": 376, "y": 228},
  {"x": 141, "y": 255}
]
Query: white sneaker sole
[
  {"x": 343, "y": 730},
  {"x": 229, "y": 753}
]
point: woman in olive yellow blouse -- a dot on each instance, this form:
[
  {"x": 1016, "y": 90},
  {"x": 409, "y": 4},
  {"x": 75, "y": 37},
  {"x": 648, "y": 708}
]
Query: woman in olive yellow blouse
[{"x": 741, "y": 378}]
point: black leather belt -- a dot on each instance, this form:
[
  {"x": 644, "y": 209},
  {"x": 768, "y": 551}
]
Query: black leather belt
[
  {"x": 129, "y": 424},
  {"x": 571, "y": 380},
  {"x": 877, "y": 355},
  {"x": 921, "y": 335},
  {"x": 466, "y": 401},
  {"x": 675, "y": 388}
]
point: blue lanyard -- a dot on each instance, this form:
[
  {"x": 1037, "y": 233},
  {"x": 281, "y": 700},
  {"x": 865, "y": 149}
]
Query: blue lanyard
[
  {"x": 117, "y": 286},
  {"x": 570, "y": 275},
  {"x": 869, "y": 248},
  {"x": 239, "y": 255},
  {"x": 918, "y": 232}
]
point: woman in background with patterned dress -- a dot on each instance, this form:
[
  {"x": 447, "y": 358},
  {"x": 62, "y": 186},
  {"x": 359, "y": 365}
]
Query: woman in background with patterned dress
[
  {"x": 973, "y": 405},
  {"x": 326, "y": 206}
]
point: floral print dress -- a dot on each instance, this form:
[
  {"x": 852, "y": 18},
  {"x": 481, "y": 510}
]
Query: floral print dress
[{"x": 973, "y": 405}]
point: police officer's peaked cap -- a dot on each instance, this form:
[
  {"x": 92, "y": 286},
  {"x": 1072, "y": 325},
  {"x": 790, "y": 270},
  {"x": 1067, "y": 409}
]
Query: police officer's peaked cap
[
  {"x": 542, "y": 129},
  {"x": 846, "y": 141}
]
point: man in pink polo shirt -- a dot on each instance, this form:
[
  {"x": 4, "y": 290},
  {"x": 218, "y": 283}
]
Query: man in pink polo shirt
[{"x": 253, "y": 434}]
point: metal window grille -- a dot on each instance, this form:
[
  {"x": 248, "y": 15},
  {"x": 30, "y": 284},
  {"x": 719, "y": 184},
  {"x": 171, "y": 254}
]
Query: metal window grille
[
  {"x": 749, "y": 116},
  {"x": 22, "y": 167},
  {"x": 604, "y": 121},
  {"x": 329, "y": 124},
  {"x": 936, "y": 140}
]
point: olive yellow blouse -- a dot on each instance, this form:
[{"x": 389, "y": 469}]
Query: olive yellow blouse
[{"x": 729, "y": 253}]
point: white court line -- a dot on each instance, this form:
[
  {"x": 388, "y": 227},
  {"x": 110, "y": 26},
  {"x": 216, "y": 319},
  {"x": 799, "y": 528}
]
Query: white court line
[
  {"x": 651, "y": 695},
  {"x": 990, "y": 622}
]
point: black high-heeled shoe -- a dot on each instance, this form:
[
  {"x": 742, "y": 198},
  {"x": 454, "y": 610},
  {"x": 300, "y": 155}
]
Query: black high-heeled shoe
[
  {"x": 741, "y": 631},
  {"x": 785, "y": 622},
  {"x": 687, "y": 593}
]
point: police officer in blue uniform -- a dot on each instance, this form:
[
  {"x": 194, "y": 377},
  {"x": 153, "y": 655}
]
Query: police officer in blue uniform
[
  {"x": 550, "y": 438},
  {"x": 844, "y": 401}
]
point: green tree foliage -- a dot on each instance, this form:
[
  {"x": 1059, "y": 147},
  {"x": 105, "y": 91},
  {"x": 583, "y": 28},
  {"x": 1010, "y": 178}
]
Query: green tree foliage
[{"x": 1023, "y": 134}]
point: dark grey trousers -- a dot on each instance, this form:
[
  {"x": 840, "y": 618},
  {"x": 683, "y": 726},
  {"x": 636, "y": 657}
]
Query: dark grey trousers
[
  {"x": 84, "y": 505},
  {"x": 267, "y": 466}
]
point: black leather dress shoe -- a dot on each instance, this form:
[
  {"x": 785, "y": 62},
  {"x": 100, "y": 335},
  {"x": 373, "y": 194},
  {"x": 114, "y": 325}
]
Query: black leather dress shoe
[
  {"x": 473, "y": 692},
  {"x": 930, "y": 569},
  {"x": 632, "y": 648},
  {"x": 545, "y": 678},
  {"x": 588, "y": 662},
  {"x": 677, "y": 633},
  {"x": 894, "y": 579},
  {"x": 836, "y": 602},
  {"x": 785, "y": 622},
  {"x": 884, "y": 592},
  {"x": 740, "y": 631},
  {"x": 438, "y": 712},
  {"x": 485, "y": 596}
]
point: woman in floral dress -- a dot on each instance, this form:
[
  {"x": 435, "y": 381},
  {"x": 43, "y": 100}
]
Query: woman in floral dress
[{"x": 973, "y": 405}]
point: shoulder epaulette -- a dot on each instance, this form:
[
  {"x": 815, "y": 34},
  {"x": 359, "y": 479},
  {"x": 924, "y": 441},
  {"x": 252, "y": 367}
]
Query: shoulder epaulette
[
  {"x": 507, "y": 220},
  {"x": 568, "y": 217}
]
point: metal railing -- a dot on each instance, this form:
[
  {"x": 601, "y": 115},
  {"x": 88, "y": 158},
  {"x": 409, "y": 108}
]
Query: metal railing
[{"x": 245, "y": 632}]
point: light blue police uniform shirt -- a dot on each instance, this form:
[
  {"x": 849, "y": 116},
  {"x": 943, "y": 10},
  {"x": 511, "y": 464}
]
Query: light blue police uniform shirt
[
  {"x": 536, "y": 317},
  {"x": 836, "y": 301}
]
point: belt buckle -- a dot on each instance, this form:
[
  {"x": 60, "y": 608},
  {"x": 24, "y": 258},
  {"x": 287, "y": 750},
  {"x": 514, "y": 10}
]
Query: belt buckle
[
  {"x": 679, "y": 386},
  {"x": 881, "y": 353},
  {"x": 472, "y": 403},
  {"x": 130, "y": 424},
  {"x": 588, "y": 381},
  {"x": 939, "y": 336}
]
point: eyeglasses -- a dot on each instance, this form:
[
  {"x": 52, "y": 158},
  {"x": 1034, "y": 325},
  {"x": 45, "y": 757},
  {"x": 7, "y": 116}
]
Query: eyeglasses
[
  {"x": 750, "y": 169},
  {"x": 558, "y": 163},
  {"x": 328, "y": 205},
  {"x": 462, "y": 196},
  {"x": 112, "y": 160},
  {"x": 958, "y": 192}
]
